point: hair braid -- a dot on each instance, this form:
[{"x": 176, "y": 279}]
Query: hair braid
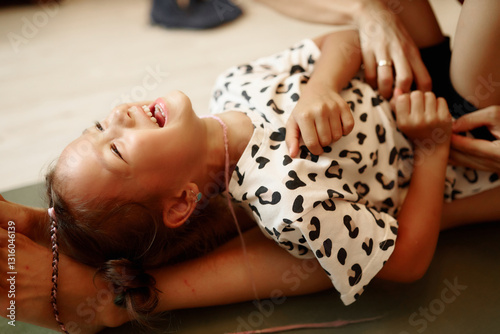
[{"x": 55, "y": 268}]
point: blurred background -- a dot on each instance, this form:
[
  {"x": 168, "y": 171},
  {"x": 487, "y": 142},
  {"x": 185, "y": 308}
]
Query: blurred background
[{"x": 65, "y": 65}]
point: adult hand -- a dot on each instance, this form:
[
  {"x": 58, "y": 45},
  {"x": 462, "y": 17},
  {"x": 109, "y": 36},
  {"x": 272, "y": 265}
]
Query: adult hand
[
  {"x": 83, "y": 306},
  {"x": 29, "y": 221},
  {"x": 477, "y": 153},
  {"x": 384, "y": 42}
]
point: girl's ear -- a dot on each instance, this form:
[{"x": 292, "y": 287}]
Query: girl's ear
[{"x": 177, "y": 210}]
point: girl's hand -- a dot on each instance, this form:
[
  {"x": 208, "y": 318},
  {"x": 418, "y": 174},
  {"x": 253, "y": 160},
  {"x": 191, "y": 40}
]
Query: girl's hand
[
  {"x": 425, "y": 120},
  {"x": 477, "y": 153},
  {"x": 321, "y": 116}
]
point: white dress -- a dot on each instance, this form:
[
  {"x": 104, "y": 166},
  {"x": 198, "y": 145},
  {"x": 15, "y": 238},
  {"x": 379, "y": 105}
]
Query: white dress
[{"x": 341, "y": 206}]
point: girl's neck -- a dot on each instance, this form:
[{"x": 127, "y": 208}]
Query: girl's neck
[{"x": 239, "y": 132}]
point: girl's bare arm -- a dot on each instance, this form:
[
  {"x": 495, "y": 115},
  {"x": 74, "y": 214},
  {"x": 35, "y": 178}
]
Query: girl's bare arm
[{"x": 427, "y": 122}]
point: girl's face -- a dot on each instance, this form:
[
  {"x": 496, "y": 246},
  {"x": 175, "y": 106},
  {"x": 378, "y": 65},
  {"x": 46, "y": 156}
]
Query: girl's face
[{"x": 130, "y": 156}]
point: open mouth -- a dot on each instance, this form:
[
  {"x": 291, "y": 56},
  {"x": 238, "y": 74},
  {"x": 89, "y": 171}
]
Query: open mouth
[
  {"x": 156, "y": 112},
  {"x": 159, "y": 115}
]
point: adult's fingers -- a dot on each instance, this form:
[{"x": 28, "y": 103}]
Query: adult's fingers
[
  {"x": 476, "y": 147},
  {"x": 484, "y": 117},
  {"x": 370, "y": 66},
  {"x": 385, "y": 77},
  {"x": 403, "y": 73},
  {"x": 458, "y": 158},
  {"x": 420, "y": 74}
]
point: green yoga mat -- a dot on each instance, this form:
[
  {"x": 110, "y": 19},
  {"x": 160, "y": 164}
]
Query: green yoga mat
[{"x": 459, "y": 294}]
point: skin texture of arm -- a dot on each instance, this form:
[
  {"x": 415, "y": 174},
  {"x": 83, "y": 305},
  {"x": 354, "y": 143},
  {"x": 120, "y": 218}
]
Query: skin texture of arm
[
  {"x": 198, "y": 282},
  {"x": 388, "y": 30},
  {"x": 475, "y": 67},
  {"x": 271, "y": 269},
  {"x": 424, "y": 120}
]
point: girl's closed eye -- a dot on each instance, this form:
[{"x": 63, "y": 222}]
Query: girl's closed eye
[
  {"x": 114, "y": 149},
  {"x": 99, "y": 126}
]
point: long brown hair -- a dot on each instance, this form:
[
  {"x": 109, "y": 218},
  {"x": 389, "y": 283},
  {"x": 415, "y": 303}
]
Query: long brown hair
[{"x": 123, "y": 239}]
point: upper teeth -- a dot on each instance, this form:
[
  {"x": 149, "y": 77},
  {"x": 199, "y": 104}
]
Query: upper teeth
[
  {"x": 150, "y": 114},
  {"x": 158, "y": 108}
]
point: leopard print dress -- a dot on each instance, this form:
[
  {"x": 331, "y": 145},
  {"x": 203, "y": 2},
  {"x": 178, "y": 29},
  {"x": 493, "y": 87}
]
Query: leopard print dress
[{"x": 340, "y": 207}]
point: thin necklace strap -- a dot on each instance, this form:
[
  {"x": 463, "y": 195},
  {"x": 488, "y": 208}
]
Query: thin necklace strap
[
  {"x": 229, "y": 204},
  {"x": 226, "y": 149}
]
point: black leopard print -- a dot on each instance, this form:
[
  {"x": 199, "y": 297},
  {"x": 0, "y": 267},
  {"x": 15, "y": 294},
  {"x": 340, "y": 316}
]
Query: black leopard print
[{"x": 341, "y": 206}]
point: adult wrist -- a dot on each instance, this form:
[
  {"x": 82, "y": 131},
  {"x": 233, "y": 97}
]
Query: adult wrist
[{"x": 369, "y": 10}]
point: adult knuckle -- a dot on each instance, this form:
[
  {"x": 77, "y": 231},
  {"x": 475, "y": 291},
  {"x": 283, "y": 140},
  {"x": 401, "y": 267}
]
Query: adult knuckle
[
  {"x": 426, "y": 83},
  {"x": 386, "y": 81},
  {"x": 404, "y": 80},
  {"x": 405, "y": 49},
  {"x": 410, "y": 50},
  {"x": 370, "y": 76}
]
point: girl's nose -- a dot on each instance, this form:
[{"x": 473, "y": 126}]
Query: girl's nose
[{"x": 123, "y": 117}]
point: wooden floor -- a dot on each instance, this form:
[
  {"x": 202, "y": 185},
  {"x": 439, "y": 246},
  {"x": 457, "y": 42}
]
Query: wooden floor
[{"x": 64, "y": 66}]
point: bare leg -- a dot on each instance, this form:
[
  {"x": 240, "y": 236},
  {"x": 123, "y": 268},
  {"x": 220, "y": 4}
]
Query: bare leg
[
  {"x": 475, "y": 67},
  {"x": 480, "y": 208}
]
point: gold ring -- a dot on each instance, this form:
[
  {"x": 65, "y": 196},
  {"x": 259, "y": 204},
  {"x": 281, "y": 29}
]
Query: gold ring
[{"x": 384, "y": 62}]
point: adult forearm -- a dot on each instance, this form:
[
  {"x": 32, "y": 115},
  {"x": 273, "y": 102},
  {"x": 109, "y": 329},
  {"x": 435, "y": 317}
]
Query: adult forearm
[
  {"x": 318, "y": 11},
  {"x": 227, "y": 275}
]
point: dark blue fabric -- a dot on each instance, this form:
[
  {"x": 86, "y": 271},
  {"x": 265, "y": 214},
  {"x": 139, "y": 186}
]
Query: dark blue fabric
[{"x": 199, "y": 14}]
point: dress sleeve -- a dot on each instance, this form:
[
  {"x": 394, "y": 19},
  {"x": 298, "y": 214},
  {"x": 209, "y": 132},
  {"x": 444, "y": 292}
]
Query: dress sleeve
[
  {"x": 351, "y": 241},
  {"x": 238, "y": 87}
]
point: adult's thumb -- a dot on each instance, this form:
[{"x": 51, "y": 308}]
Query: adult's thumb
[{"x": 473, "y": 120}]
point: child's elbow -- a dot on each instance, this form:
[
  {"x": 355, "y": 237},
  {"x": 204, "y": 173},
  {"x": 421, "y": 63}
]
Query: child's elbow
[
  {"x": 411, "y": 274},
  {"x": 404, "y": 269}
]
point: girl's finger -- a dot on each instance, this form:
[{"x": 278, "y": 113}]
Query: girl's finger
[
  {"x": 417, "y": 104},
  {"x": 442, "y": 108},
  {"x": 430, "y": 104},
  {"x": 325, "y": 130},
  {"x": 402, "y": 108},
  {"x": 347, "y": 119},
  {"x": 310, "y": 137},
  {"x": 292, "y": 137}
]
